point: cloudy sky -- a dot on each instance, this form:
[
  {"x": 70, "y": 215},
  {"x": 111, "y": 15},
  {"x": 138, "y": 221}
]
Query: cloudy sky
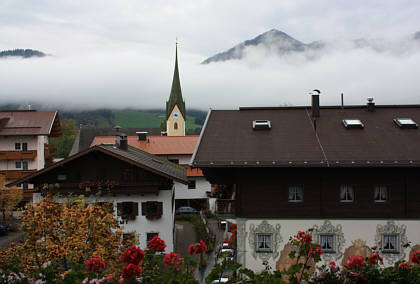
[{"x": 110, "y": 53}]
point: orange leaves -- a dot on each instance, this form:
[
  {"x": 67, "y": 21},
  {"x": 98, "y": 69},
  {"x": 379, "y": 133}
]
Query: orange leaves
[{"x": 65, "y": 232}]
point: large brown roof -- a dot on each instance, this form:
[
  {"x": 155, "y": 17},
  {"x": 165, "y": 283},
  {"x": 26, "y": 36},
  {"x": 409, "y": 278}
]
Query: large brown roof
[
  {"x": 228, "y": 138},
  {"x": 29, "y": 123}
]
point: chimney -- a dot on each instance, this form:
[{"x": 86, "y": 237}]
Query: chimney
[
  {"x": 142, "y": 135},
  {"x": 122, "y": 141},
  {"x": 370, "y": 104},
  {"x": 315, "y": 103},
  {"x": 163, "y": 133}
]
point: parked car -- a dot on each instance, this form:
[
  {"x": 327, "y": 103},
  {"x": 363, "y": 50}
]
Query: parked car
[
  {"x": 4, "y": 227},
  {"x": 186, "y": 210},
  {"x": 220, "y": 280},
  {"x": 230, "y": 255}
]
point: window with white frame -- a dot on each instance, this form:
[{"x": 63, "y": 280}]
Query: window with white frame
[
  {"x": 390, "y": 243},
  {"x": 18, "y": 165},
  {"x": 327, "y": 243},
  {"x": 21, "y": 146},
  {"x": 346, "y": 193},
  {"x": 380, "y": 193},
  {"x": 295, "y": 193},
  {"x": 264, "y": 242},
  {"x": 24, "y": 165}
]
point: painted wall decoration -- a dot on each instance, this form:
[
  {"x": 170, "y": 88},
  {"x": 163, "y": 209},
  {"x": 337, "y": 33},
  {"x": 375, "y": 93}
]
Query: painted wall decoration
[
  {"x": 285, "y": 262},
  {"x": 338, "y": 239},
  {"x": 382, "y": 235},
  {"x": 358, "y": 247},
  {"x": 267, "y": 229}
]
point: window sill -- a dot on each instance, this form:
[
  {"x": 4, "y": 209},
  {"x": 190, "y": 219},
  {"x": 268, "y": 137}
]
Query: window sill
[{"x": 264, "y": 251}]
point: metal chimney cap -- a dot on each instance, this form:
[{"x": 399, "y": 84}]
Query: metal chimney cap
[
  {"x": 315, "y": 92},
  {"x": 370, "y": 99}
]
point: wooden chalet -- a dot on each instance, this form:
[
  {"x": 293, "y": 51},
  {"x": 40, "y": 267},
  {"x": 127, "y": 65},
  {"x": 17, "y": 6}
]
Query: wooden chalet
[
  {"x": 138, "y": 185},
  {"x": 315, "y": 166}
]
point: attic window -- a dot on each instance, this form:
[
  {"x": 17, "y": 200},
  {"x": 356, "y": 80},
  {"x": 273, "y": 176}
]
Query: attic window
[
  {"x": 261, "y": 124},
  {"x": 405, "y": 123},
  {"x": 353, "y": 123}
]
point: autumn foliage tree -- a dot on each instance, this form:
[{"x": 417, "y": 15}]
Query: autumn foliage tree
[
  {"x": 10, "y": 197},
  {"x": 69, "y": 232}
]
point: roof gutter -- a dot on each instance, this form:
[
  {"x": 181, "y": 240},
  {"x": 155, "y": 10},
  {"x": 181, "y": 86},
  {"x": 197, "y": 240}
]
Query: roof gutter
[{"x": 201, "y": 136}]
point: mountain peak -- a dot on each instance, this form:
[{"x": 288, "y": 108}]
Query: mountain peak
[{"x": 275, "y": 40}]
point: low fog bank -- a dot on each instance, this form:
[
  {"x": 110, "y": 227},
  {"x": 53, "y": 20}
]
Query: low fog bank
[{"x": 387, "y": 71}]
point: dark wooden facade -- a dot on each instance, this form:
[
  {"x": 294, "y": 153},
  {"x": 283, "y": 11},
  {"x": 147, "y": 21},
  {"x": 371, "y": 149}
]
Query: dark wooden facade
[
  {"x": 263, "y": 192},
  {"x": 74, "y": 176}
]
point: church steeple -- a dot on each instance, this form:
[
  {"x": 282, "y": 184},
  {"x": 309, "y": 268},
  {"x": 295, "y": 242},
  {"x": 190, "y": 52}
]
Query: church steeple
[
  {"x": 175, "y": 106},
  {"x": 175, "y": 97}
]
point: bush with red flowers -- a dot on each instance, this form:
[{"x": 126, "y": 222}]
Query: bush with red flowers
[
  {"x": 130, "y": 271},
  {"x": 156, "y": 244},
  {"x": 356, "y": 262},
  {"x": 95, "y": 264},
  {"x": 415, "y": 258},
  {"x": 133, "y": 255},
  {"x": 198, "y": 248},
  {"x": 173, "y": 260}
]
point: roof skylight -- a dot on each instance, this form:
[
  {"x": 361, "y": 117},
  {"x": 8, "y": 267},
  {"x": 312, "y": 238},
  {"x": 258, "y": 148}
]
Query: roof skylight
[
  {"x": 353, "y": 123},
  {"x": 405, "y": 123},
  {"x": 261, "y": 124}
]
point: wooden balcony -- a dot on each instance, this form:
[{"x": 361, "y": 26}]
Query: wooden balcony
[
  {"x": 121, "y": 188},
  {"x": 225, "y": 206},
  {"x": 14, "y": 174},
  {"x": 18, "y": 155}
]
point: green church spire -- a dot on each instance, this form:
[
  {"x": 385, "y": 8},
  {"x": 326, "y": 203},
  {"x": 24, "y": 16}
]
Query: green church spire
[{"x": 176, "y": 94}]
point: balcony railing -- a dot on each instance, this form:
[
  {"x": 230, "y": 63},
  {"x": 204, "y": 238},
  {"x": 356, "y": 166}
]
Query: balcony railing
[
  {"x": 14, "y": 174},
  {"x": 18, "y": 155},
  {"x": 225, "y": 206}
]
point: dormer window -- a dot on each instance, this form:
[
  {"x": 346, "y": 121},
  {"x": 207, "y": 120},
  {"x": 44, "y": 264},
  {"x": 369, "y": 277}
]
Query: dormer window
[
  {"x": 353, "y": 123},
  {"x": 261, "y": 124},
  {"x": 405, "y": 123}
]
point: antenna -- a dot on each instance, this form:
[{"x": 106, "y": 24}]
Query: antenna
[{"x": 342, "y": 100}]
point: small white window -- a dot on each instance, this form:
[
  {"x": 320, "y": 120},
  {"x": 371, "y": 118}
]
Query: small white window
[
  {"x": 327, "y": 243},
  {"x": 191, "y": 184},
  {"x": 61, "y": 177},
  {"x": 346, "y": 193},
  {"x": 381, "y": 193},
  {"x": 295, "y": 193},
  {"x": 353, "y": 123},
  {"x": 405, "y": 123},
  {"x": 390, "y": 243},
  {"x": 17, "y": 146},
  {"x": 18, "y": 164},
  {"x": 24, "y": 146},
  {"x": 24, "y": 165},
  {"x": 264, "y": 242}
]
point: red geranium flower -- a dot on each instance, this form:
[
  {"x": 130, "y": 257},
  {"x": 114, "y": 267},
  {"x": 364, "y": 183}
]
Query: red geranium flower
[
  {"x": 156, "y": 244},
  {"x": 95, "y": 264},
  {"x": 172, "y": 260},
  {"x": 133, "y": 255},
  {"x": 403, "y": 265},
  {"x": 357, "y": 262},
  {"x": 198, "y": 248},
  {"x": 307, "y": 238},
  {"x": 313, "y": 252},
  {"x": 131, "y": 270},
  {"x": 373, "y": 258},
  {"x": 333, "y": 266},
  {"x": 415, "y": 257}
]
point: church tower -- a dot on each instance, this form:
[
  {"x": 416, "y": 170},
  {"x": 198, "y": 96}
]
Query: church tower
[{"x": 175, "y": 106}]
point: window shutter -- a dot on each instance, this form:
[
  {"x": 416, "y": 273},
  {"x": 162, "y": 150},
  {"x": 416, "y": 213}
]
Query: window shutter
[
  {"x": 135, "y": 208},
  {"x": 143, "y": 208},
  {"x": 159, "y": 208},
  {"x": 119, "y": 209}
]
